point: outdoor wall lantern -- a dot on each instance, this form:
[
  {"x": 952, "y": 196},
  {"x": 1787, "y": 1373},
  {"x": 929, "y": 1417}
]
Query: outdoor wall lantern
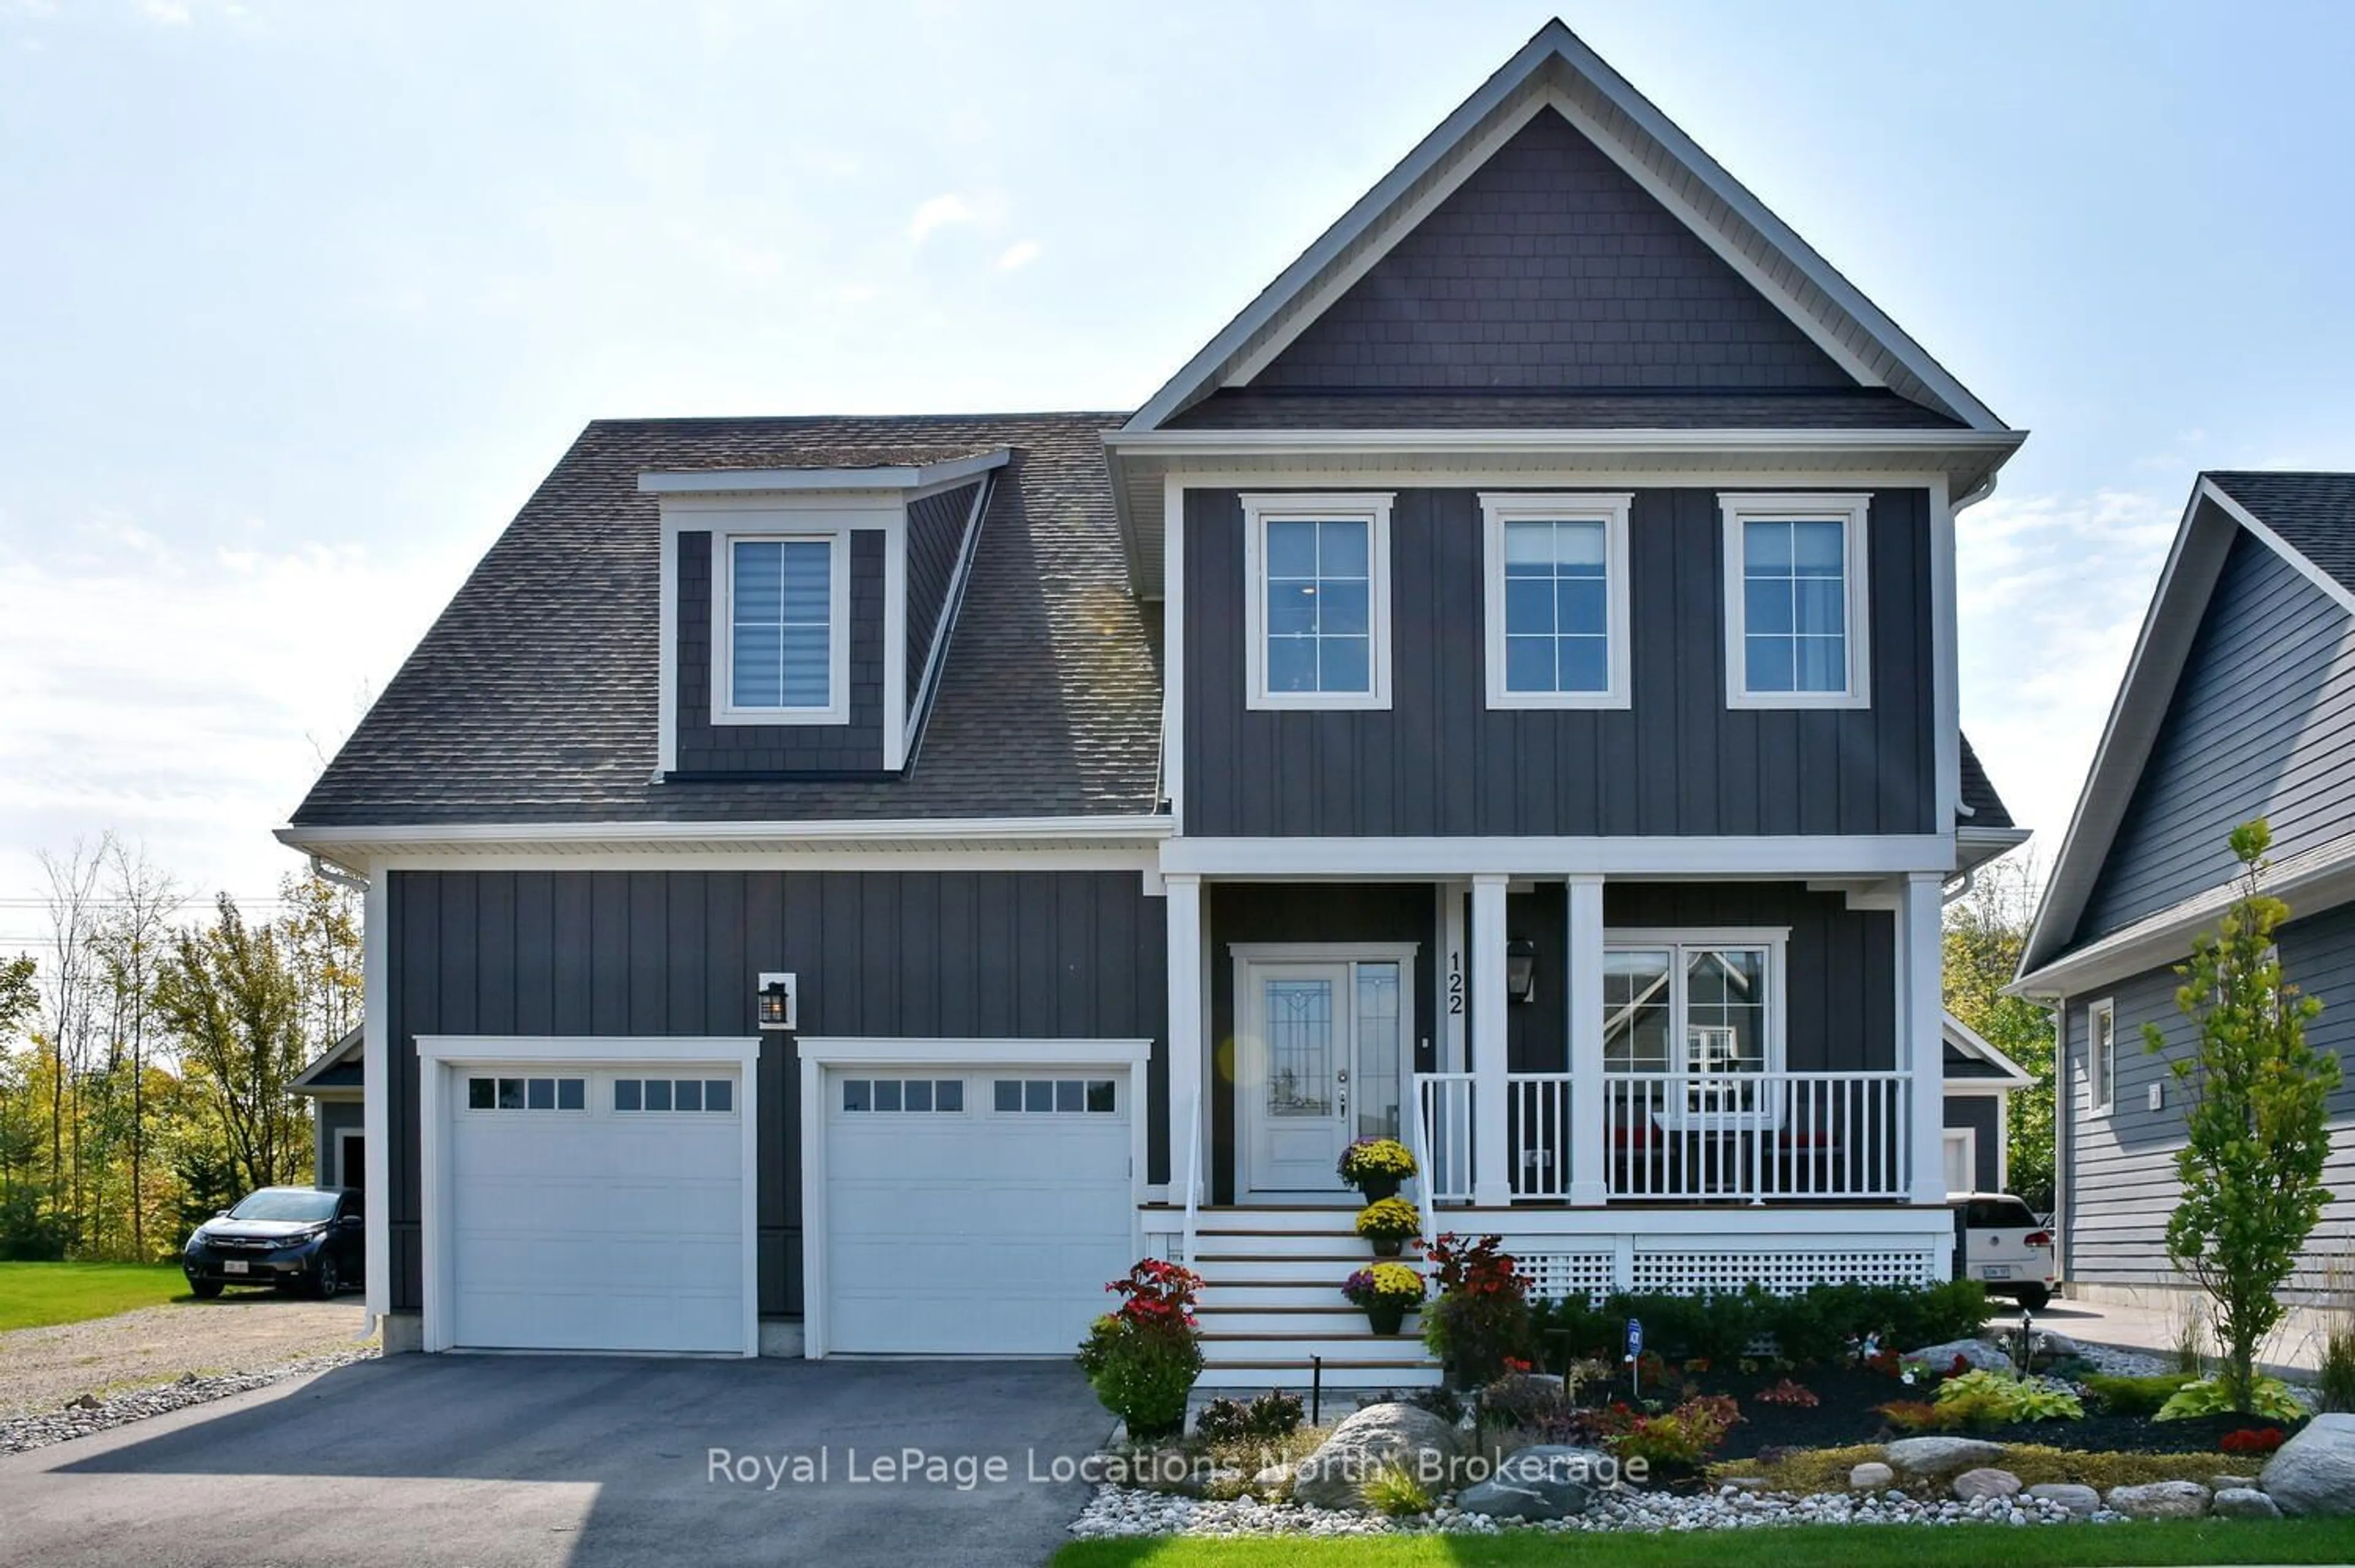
[
  {"x": 776, "y": 999},
  {"x": 1520, "y": 969}
]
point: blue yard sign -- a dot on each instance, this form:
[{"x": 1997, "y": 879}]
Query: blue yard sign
[{"x": 1634, "y": 1354}]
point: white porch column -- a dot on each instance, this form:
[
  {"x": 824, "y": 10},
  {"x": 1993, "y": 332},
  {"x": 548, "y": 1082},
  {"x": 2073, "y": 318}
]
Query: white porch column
[
  {"x": 1492, "y": 1184},
  {"x": 1590, "y": 1131},
  {"x": 1184, "y": 894},
  {"x": 1921, "y": 1044}
]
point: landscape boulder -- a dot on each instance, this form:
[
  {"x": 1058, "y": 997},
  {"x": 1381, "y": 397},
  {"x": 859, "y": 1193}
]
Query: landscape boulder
[
  {"x": 1549, "y": 1480},
  {"x": 1406, "y": 1435},
  {"x": 2082, "y": 1502},
  {"x": 1871, "y": 1476},
  {"x": 2314, "y": 1472},
  {"x": 2243, "y": 1502},
  {"x": 2160, "y": 1499},
  {"x": 1985, "y": 1482},
  {"x": 1938, "y": 1457}
]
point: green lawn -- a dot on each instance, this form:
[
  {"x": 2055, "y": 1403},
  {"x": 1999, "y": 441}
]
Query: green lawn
[
  {"x": 33, "y": 1295},
  {"x": 1818, "y": 1546}
]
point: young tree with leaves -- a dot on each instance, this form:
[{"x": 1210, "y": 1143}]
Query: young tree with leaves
[
  {"x": 232, "y": 998},
  {"x": 1985, "y": 934},
  {"x": 2256, "y": 1119}
]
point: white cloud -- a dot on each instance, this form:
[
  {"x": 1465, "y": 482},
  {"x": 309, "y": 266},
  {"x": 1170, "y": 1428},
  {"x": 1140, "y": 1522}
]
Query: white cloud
[
  {"x": 2051, "y": 590},
  {"x": 170, "y": 13},
  {"x": 1021, "y": 253},
  {"x": 939, "y": 213}
]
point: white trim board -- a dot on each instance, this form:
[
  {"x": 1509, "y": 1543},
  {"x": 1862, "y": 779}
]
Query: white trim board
[
  {"x": 821, "y": 1053},
  {"x": 741, "y": 481},
  {"x": 1796, "y": 856},
  {"x": 437, "y": 1053}
]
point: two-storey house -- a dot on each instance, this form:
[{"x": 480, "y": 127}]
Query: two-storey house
[{"x": 853, "y": 885}]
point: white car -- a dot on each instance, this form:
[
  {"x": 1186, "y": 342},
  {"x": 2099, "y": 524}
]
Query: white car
[{"x": 2000, "y": 1243}]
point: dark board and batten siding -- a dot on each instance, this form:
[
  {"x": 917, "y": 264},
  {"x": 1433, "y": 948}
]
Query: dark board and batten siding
[
  {"x": 936, "y": 526},
  {"x": 2261, "y": 724},
  {"x": 856, "y": 747},
  {"x": 1438, "y": 762},
  {"x": 918, "y": 955},
  {"x": 2121, "y": 1180}
]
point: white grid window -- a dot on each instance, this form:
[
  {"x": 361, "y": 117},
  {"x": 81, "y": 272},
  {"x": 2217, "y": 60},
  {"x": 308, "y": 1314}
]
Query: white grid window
[
  {"x": 1557, "y": 600},
  {"x": 1316, "y": 601},
  {"x": 781, "y": 629},
  {"x": 1796, "y": 630}
]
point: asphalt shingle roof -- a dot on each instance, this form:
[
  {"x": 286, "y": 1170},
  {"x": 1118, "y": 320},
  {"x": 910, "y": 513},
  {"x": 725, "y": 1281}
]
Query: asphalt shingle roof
[
  {"x": 534, "y": 697},
  {"x": 2313, "y": 513},
  {"x": 1988, "y": 809}
]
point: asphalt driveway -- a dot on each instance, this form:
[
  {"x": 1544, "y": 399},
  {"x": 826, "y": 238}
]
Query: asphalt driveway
[{"x": 577, "y": 1460}]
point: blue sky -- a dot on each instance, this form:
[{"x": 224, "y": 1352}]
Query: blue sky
[{"x": 300, "y": 300}]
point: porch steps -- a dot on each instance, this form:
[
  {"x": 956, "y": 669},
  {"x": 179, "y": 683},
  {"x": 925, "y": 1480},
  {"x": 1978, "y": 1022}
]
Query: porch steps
[{"x": 1272, "y": 1309}]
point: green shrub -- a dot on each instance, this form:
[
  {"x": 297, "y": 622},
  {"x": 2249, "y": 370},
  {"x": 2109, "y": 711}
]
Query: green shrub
[
  {"x": 2134, "y": 1396},
  {"x": 2336, "y": 1375},
  {"x": 1393, "y": 1490},
  {"x": 1271, "y": 1415},
  {"x": 1813, "y": 1327},
  {"x": 2268, "y": 1397},
  {"x": 29, "y": 1235}
]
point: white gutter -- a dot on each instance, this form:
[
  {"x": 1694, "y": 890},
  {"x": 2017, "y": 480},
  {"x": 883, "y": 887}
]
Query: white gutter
[
  {"x": 1256, "y": 442},
  {"x": 1003, "y": 829}
]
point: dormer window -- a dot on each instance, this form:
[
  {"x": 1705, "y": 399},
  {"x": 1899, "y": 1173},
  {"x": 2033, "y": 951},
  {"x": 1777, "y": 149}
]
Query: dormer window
[{"x": 786, "y": 650}]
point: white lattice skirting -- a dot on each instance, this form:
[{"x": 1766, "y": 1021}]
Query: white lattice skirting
[{"x": 1694, "y": 1271}]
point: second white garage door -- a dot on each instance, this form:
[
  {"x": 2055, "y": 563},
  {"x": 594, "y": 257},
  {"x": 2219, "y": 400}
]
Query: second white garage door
[
  {"x": 597, "y": 1208},
  {"x": 974, "y": 1211}
]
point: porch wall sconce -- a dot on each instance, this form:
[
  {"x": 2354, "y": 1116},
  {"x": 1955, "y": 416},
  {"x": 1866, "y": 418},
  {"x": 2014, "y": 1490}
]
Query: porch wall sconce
[
  {"x": 777, "y": 1002},
  {"x": 1520, "y": 970}
]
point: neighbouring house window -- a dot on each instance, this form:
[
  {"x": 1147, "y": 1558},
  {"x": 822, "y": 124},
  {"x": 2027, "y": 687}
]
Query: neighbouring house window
[
  {"x": 1557, "y": 600},
  {"x": 1795, "y": 601},
  {"x": 919, "y": 1094},
  {"x": 1316, "y": 601},
  {"x": 1086, "y": 1096},
  {"x": 674, "y": 1094},
  {"x": 2102, "y": 1055},
  {"x": 494, "y": 1094},
  {"x": 786, "y": 642},
  {"x": 1699, "y": 1006}
]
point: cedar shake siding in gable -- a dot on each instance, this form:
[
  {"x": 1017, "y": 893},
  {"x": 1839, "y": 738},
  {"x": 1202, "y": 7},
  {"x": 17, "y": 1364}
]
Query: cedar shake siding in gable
[
  {"x": 2121, "y": 1183},
  {"x": 2261, "y": 724},
  {"x": 801, "y": 749},
  {"x": 935, "y": 533},
  {"x": 1439, "y": 763},
  {"x": 1550, "y": 268},
  {"x": 918, "y": 955}
]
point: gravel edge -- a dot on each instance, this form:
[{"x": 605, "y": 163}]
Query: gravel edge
[{"x": 22, "y": 1434}]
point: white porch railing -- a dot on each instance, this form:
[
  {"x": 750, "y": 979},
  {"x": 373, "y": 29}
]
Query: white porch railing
[
  {"x": 1443, "y": 1125},
  {"x": 1192, "y": 1239},
  {"x": 1682, "y": 1138}
]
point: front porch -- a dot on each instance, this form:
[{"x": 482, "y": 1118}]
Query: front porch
[{"x": 1641, "y": 1084}]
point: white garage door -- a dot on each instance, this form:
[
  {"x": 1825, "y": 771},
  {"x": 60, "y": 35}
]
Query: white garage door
[
  {"x": 597, "y": 1208},
  {"x": 975, "y": 1210}
]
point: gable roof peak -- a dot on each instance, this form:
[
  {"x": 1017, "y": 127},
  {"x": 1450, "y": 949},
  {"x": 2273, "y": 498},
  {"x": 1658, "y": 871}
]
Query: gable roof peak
[{"x": 1556, "y": 70}]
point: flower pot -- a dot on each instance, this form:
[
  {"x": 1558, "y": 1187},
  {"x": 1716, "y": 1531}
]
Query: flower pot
[
  {"x": 1386, "y": 1316},
  {"x": 1389, "y": 1246},
  {"x": 1377, "y": 1188}
]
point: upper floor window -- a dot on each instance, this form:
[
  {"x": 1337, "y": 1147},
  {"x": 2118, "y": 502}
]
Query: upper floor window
[
  {"x": 782, "y": 646},
  {"x": 1795, "y": 601},
  {"x": 2100, "y": 1056},
  {"x": 1557, "y": 600},
  {"x": 1316, "y": 601}
]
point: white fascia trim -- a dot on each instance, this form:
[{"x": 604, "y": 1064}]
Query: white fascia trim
[
  {"x": 740, "y": 481},
  {"x": 666, "y": 650},
  {"x": 1972, "y": 1043},
  {"x": 1371, "y": 508},
  {"x": 1793, "y": 857},
  {"x": 1173, "y": 645},
  {"x": 375, "y": 1081},
  {"x": 1500, "y": 508},
  {"x": 1852, "y": 510},
  {"x": 436, "y": 1194},
  {"x": 1803, "y": 444},
  {"x": 1946, "y": 661},
  {"x": 2194, "y": 562},
  {"x": 915, "y": 831},
  {"x": 1324, "y": 952}
]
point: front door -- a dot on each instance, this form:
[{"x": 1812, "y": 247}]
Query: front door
[{"x": 1318, "y": 1064}]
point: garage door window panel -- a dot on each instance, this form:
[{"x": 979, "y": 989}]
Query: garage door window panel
[
  {"x": 1056, "y": 1096},
  {"x": 683, "y": 1096},
  {"x": 494, "y": 1094}
]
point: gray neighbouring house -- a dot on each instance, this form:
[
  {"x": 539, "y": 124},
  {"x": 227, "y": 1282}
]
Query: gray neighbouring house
[
  {"x": 2239, "y": 701},
  {"x": 334, "y": 1085},
  {"x": 852, "y": 885}
]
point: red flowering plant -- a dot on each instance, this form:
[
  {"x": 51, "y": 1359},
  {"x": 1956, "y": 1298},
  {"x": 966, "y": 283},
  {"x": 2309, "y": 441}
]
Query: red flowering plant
[
  {"x": 1482, "y": 1316},
  {"x": 2252, "y": 1440},
  {"x": 1796, "y": 1395},
  {"x": 1142, "y": 1356}
]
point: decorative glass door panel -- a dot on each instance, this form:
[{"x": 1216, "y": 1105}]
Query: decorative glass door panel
[
  {"x": 1302, "y": 1078},
  {"x": 1319, "y": 1060}
]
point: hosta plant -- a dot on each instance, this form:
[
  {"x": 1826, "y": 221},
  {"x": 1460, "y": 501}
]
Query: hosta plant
[
  {"x": 1984, "y": 1398},
  {"x": 2268, "y": 1397}
]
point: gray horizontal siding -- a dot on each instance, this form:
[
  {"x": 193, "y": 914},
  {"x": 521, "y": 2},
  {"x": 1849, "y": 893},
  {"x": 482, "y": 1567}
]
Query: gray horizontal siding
[
  {"x": 2262, "y": 723},
  {"x": 1551, "y": 268},
  {"x": 1028, "y": 954},
  {"x": 2122, "y": 1185},
  {"x": 1677, "y": 761},
  {"x": 855, "y": 747}
]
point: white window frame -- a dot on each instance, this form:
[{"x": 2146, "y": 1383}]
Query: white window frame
[
  {"x": 1374, "y": 511},
  {"x": 2102, "y": 1075},
  {"x": 1774, "y": 939},
  {"x": 1775, "y": 506},
  {"x": 1610, "y": 508},
  {"x": 724, "y": 708}
]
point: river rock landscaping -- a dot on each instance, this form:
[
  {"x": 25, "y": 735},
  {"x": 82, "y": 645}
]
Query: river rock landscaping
[{"x": 88, "y": 1413}]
